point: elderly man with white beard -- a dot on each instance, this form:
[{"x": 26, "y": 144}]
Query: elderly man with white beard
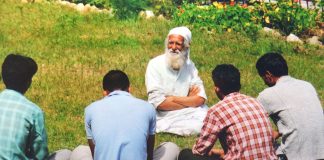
[{"x": 174, "y": 87}]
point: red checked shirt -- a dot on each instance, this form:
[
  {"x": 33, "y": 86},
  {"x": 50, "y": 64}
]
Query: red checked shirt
[{"x": 242, "y": 125}]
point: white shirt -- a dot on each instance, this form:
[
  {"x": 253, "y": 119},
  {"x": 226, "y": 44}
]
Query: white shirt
[
  {"x": 296, "y": 109},
  {"x": 162, "y": 81}
]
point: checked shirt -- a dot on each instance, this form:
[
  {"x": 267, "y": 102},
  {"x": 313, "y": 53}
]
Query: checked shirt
[
  {"x": 242, "y": 126},
  {"x": 22, "y": 130}
]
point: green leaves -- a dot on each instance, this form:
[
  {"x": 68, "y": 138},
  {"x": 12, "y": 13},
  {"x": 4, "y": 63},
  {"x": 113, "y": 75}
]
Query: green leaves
[
  {"x": 286, "y": 16},
  {"x": 216, "y": 17}
]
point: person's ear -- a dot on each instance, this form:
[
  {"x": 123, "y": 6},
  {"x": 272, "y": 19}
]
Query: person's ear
[
  {"x": 268, "y": 76},
  {"x": 105, "y": 93},
  {"x": 129, "y": 89}
]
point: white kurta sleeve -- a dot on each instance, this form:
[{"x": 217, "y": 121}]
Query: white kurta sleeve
[{"x": 153, "y": 83}]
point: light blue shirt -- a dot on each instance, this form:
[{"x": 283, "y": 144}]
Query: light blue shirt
[
  {"x": 22, "y": 130},
  {"x": 119, "y": 125}
]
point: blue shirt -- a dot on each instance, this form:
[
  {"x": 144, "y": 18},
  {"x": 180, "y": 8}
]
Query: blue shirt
[
  {"x": 22, "y": 130},
  {"x": 119, "y": 125}
]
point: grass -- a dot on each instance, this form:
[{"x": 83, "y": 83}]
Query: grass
[{"x": 74, "y": 52}]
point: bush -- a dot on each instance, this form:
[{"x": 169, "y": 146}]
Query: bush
[
  {"x": 218, "y": 17},
  {"x": 288, "y": 17},
  {"x": 125, "y": 9},
  {"x": 98, "y": 3},
  {"x": 285, "y": 16}
]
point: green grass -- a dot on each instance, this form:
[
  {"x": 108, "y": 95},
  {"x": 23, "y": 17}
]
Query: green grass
[{"x": 74, "y": 52}]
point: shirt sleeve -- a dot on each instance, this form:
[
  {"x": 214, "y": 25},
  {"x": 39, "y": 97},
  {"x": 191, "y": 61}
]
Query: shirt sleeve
[
  {"x": 87, "y": 123},
  {"x": 268, "y": 101},
  {"x": 152, "y": 121},
  {"x": 155, "y": 91},
  {"x": 39, "y": 149},
  {"x": 208, "y": 135},
  {"x": 196, "y": 81}
]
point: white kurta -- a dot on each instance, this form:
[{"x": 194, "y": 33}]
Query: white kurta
[{"x": 162, "y": 81}]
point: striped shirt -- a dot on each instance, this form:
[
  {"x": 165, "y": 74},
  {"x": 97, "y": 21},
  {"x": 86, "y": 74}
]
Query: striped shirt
[
  {"x": 242, "y": 126},
  {"x": 22, "y": 130}
]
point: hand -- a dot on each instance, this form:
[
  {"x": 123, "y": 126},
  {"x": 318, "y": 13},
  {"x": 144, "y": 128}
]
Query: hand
[
  {"x": 194, "y": 90},
  {"x": 275, "y": 134},
  {"x": 216, "y": 151}
]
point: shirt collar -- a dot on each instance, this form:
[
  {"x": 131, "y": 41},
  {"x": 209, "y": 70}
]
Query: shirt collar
[
  {"x": 283, "y": 79},
  {"x": 231, "y": 95},
  {"x": 118, "y": 92},
  {"x": 11, "y": 91}
]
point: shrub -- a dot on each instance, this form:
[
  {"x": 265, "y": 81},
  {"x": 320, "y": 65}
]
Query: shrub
[
  {"x": 98, "y": 3},
  {"x": 285, "y": 16},
  {"x": 218, "y": 17},
  {"x": 288, "y": 17},
  {"x": 125, "y": 9}
]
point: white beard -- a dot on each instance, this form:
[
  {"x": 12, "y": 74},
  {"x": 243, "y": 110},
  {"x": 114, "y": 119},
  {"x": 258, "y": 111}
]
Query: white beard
[{"x": 176, "y": 59}]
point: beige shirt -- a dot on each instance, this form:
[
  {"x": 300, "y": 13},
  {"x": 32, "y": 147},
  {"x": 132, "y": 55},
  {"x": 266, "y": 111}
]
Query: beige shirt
[{"x": 296, "y": 110}]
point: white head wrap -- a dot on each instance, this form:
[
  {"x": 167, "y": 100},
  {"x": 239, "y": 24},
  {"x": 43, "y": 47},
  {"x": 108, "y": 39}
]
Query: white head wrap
[{"x": 182, "y": 31}]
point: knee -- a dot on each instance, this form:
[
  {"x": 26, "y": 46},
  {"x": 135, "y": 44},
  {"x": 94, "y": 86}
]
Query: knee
[
  {"x": 171, "y": 146},
  {"x": 81, "y": 152},
  {"x": 166, "y": 151}
]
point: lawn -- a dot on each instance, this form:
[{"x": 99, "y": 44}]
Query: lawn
[{"x": 74, "y": 51}]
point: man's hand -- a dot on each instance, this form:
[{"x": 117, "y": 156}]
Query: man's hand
[
  {"x": 275, "y": 134},
  {"x": 193, "y": 91},
  {"x": 218, "y": 152}
]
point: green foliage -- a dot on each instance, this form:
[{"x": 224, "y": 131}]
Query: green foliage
[
  {"x": 166, "y": 7},
  {"x": 217, "y": 17},
  {"x": 288, "y": 17},
  {"x": 285, "y": 16},
  {"x": 98, "y": 3},
  {"x": 125, "y": 9}
]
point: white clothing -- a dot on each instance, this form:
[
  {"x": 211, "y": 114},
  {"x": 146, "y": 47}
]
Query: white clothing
[
  {"x": 162, "y": 81},
  {"x": 296, "y": 110},
  {"x": 165, "y": 151}
]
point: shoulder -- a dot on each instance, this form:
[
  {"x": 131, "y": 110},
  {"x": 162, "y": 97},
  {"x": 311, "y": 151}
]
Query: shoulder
[
  {"x": 157, "y": 59},
  {"x": 94, "y": 105},
  {"x": 144, "y": 104},
  {"x": 267, "y": 93},
  {"x": 33, "y": 107}
]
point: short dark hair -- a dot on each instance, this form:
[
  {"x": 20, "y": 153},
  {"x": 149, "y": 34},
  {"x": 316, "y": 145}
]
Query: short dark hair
[
  {"x": 272, "y": 62},
  {"x": 115, "y": 80},
  {"x": 18, "y": 71},
  {"x": 227, "y": 78}
]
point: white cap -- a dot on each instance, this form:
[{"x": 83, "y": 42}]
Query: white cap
[{"x": 182, "y": 31}]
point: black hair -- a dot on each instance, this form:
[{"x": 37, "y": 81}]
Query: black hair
[
  {"x": 115, "y": 80},
  {"x": 227, "y": 78},
  {"x": 272, "y": 62},
  {"x": 18, "y": 71}
]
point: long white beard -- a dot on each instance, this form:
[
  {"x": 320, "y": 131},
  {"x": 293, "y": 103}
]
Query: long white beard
[{"x": 176, "y": 59}]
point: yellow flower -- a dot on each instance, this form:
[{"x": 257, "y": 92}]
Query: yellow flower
[
  {"x": 218, "y": 5},
  {"x": 215, "y": 4},
  {"x": 290, "y": 3},
  {"x": 229, "y": 29},
  {"x": 277, "y": 9},
  {"x": 267, "y": 20}
]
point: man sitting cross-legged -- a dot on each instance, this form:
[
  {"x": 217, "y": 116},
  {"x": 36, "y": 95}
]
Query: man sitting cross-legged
[
  {"x": 22, "y": 128},
  {"x": 175, "y": 88},
  {"x": 122, "y": 127},
  {"x": 238, "y": 121},
  {"x": 294, "y": 107}
]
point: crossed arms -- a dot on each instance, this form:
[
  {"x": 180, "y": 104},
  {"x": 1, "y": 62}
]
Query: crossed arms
[{"x": 177, "y": 102}]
